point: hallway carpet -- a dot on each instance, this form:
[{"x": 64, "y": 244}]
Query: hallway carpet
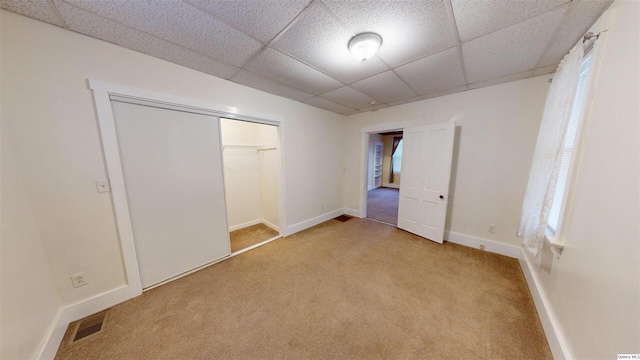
[
  {"x": 251, "y": 235},
  {"x": 340, "y": 290},
  {"x": 382, "y": 205}
]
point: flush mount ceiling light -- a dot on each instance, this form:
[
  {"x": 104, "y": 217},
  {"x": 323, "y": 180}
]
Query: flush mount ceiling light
[{"x": 364, "y": 46}]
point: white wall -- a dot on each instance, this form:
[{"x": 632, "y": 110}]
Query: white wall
[
  {"x": 241, "y": 173},
  {"x": 495, "y": 138},
  {"x": 593, "y": 290},
  {"x": 270, "y": 176},
  {"x": 58, "y": 149},
  {"x": 29, "y": 303}
]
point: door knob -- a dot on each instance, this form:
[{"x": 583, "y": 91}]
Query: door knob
[{"x": 441, "y": 197}]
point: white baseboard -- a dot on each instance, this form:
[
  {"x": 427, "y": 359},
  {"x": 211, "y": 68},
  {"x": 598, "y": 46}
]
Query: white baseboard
[
  {"x": 98, "y": 303},
  {"x": 557, "y": 342},
  {"x": 57, "y": 329},
  {"x": 313, "y": 222},
  {"x": 352, "y": 212},
  {"x": 390, "y": 186},
  {"x": 489, "y": 245},
  {"x": 79, "y": 310},
  {"x": 247, "y": 224},
  {"x": 274, "y": 227}
]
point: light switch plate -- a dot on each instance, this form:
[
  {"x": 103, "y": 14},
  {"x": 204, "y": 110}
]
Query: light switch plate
[{"x": 102, "y": 185}]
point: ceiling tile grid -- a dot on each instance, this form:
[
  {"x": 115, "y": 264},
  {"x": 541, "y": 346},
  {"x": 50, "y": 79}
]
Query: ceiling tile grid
[
  {"x": 350, "y": 97},
  {"x": 96, "y": 26},
  {"x": 287, "y": 70},
  {"x": 262, "y": 83},
  {"x": 409, "y": 29},
  {"x": 261, "y": 19},
  {"x": 500, "y": 80},
  {"x": 510, "y": 50},
  {"x": 579, "y": 18},
  {"x": 446, "y": 92},
  {"x": 298, "y": 48},
  {"x": 328, "y": 105},
  {"x": 545, "y": 70},
  {"x": 179, "y": 23},
  {"x": 480, "y": 17},
  {"x": 320, "y": 40},
  {"x": 435, "y": 73},
  {"x": 40, "y": 10},
  {"x": 385, "y": 87}
]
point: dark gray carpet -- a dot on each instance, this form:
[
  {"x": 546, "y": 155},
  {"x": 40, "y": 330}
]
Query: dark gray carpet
[{"x": 382, "y": 205}]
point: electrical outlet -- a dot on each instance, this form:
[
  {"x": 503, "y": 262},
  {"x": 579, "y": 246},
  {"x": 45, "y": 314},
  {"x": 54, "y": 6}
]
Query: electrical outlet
[
  {"x": 492, "y": 229},
  {"x": 482, "y": 247},
  {"x": 321, "y": 206},
  {"x": 79, "y": 279},
  {"x": 102, "y": 185}
]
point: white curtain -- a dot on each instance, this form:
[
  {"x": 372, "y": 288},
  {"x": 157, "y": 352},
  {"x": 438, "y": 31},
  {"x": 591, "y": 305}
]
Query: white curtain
[{"x": 546, "y": 159}]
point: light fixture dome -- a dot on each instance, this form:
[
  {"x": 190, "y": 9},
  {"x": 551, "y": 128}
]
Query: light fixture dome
[{"x": 364, "y": 46}]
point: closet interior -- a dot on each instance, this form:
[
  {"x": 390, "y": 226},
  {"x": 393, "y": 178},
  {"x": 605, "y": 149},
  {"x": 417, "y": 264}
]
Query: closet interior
[{"x": 251, "y": 155}]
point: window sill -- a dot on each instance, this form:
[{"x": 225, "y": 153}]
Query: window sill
[{"x": 554, "y": 244}]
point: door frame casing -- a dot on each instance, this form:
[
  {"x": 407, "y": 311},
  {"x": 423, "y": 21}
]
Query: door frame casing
[
  {"x": 364, "y": 157},
  {"x": 101, "y": 92}
]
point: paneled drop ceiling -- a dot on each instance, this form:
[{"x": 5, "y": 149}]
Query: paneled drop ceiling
[{"x": 298, "y": 48}]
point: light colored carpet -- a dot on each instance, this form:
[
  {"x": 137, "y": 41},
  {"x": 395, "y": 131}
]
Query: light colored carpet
[
  {"x": 382, "y": 205},
  {"x": 341, "y": 290},
  {"x": 243, "y": 238}
]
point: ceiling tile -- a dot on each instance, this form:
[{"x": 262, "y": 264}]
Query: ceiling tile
[
  {"x": 375, "y": 107},
  {"x": 40, "y": 10},
  {"x": 320, "y": 40},
  {"x": 262, "y": 19},
  {"x": 352, "y": 112},
  {"x": 410, "y": 29},
  {"x": 580, "y": 17},
  {"x": 180, "y": 23},
  {"x": 282, "y": 68},
  {"x": 405, "y": 101},
  {"x": 435, "y": 73},
  {"x": 545, "y": 70},
  {"x": 349, "y": 97},
  {"x": 511, "y": 50},
  {"x": 328, "y": 105},
  {"x": 480, "y": 17},
  {"x": 101, "y": 28},
  {"x": 270, "y": 86},
  {"x": 384, "y": 87},
  {"x": 446, "y": 92},
  {"x": 500, "y": 80}
]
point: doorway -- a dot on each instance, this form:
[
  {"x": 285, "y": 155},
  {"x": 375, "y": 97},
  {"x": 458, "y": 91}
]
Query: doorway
[
  {"x": 251, "y": 176},
  {"x": 384, "y": 174},
  {"x": 427, "y": 154}
]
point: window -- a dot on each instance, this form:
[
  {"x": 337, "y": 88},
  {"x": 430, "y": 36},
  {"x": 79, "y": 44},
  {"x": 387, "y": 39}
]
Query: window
[
  {"x": 568, "y": 151},
  {"x": 397, "y": 158}
]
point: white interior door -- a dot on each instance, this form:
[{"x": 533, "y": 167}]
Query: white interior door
[
  {"x": 426, "y": 170},
  {"x": 172, "y": 168}
]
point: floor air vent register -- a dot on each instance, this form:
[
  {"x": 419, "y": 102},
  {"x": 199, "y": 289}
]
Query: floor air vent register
[
  {"x": 343, "y": 218},
  {"x": 89, "y": 325}
]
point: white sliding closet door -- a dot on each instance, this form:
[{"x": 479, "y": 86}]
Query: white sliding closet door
[{"x": 173, "y": 178}]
